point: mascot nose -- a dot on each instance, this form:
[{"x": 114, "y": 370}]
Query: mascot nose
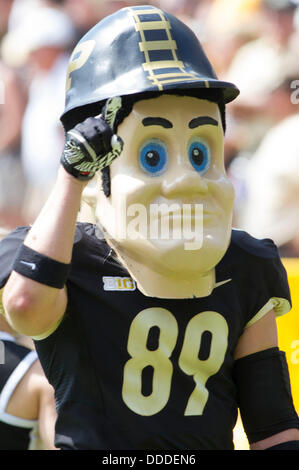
[{"x": 187, "y": 184}]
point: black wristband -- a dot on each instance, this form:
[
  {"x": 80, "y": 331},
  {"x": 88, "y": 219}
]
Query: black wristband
[{"x": 40, "y": 268}]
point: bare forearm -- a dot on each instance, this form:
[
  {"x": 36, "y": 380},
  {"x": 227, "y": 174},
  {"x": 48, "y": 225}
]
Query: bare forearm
[{"x": 52, "y": 233}]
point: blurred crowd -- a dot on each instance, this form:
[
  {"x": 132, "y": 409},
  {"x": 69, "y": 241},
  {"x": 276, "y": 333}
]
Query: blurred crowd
[{"x": 253, "y": 43}]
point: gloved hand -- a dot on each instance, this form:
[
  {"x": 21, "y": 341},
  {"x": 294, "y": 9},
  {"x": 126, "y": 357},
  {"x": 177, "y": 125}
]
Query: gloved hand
[{"x": 91, "y": 145}]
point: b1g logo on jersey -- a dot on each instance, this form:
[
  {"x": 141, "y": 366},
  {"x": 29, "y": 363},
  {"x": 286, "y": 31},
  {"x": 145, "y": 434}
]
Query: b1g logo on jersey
[{"x": 118, "y": 283}]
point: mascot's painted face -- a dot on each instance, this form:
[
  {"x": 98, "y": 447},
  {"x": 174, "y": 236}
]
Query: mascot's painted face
[{"x": 170, "y": 210}]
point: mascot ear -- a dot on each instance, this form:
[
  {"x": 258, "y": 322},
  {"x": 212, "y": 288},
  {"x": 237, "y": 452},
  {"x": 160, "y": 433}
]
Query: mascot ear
[{"x": 89, "y": 202}]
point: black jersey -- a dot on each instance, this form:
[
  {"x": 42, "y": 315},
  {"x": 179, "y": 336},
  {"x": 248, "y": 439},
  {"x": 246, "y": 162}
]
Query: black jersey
[
  {"x": 15, "y": 433},
  {"x": 136, "y": 372}
]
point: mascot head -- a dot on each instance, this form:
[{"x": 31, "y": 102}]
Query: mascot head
[{"x": 165, "y": 204}]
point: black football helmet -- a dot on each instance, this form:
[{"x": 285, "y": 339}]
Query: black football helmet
[{"x": 135, "y": 50}]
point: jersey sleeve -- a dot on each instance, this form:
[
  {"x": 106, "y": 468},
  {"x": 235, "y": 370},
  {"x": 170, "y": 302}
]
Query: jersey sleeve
[
  {"x": 10, "y": 244},
  {"x": 266, "y": 285},
  {"x": 273, "y": 290},
  {"x": 85, "y": 250},
  {"x": 8, "y": 248}
]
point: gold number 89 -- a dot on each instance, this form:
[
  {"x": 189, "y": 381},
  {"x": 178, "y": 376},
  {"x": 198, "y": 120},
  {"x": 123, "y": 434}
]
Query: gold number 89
[{"x": 159, "y": 359}]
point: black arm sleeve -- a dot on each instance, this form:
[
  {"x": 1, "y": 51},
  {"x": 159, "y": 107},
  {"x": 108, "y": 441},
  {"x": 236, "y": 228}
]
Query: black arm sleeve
[{"x": 264, "y": 394}]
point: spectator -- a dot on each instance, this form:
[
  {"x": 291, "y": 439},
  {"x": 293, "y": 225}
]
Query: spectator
[
  {"x": 12, "y": 182},
  {"x": 27, "y": 408},
  {"x": 85, "y": 13},
  {"x": 5, "y": 12},
  {"x": 229, "y": 26},
  {"x": 255, "y": 79},
  {"x": 12, "y": 102},
  {"x": 271, "y": 208},
  {"x": 44, "y": 37},
  {"x": 248, "y": 66}
]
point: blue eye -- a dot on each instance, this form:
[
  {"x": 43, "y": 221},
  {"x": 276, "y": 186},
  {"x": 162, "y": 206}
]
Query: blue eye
[
  {"x": 153, "y": 157},
  {"x": 199, "y": 156}
]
